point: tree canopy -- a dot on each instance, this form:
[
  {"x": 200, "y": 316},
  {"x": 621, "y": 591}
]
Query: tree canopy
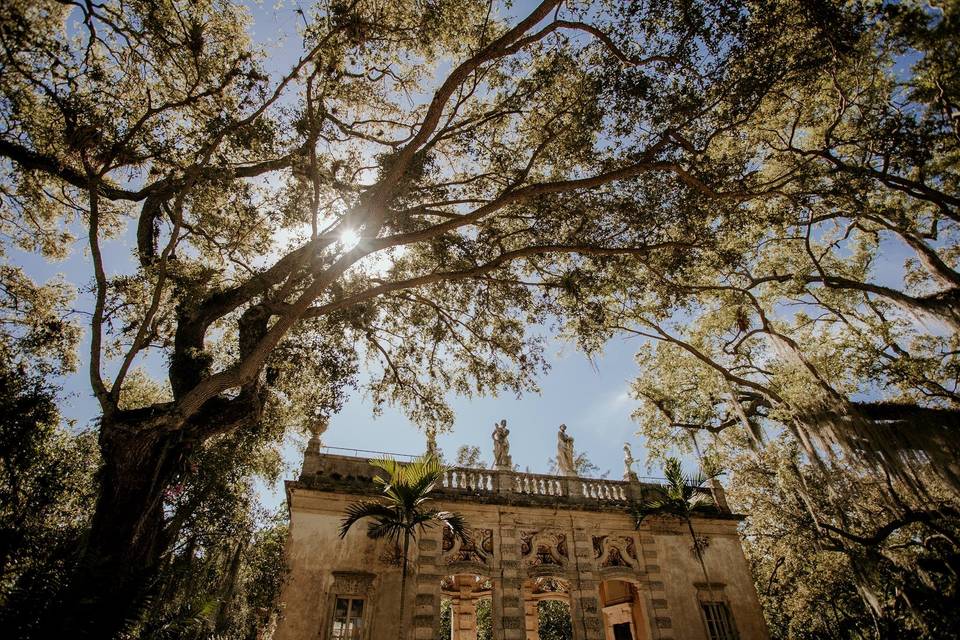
[{"x": 423, "y": 182}]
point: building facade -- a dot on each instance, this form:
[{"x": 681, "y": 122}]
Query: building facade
[{"x": 534, "y": 537}]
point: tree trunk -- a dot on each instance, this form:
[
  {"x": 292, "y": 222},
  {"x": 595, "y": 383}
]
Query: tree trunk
[
  {"x": 119, "y": 560},
  {"x": 229, "y": 590},
  {"x": 403, "y": 584}
]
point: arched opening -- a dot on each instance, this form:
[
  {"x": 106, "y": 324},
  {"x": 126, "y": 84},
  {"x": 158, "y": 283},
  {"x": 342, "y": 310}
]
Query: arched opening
[
  {"x": 624, "y": 617},
  {"x": 547, "y": 609},
  {"x": 465, "y": 608}
]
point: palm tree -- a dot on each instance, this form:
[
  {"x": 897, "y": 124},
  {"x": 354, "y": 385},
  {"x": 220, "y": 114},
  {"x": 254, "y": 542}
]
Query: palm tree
[
  {"x": 403, "y": 510},
  {"x": 680, "y": 498}
]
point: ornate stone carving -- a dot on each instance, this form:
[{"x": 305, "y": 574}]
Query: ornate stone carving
[
  {"x": 615, "y": 551},
  {"x": 550, "y": 585},
  {"x": 543, "y": 548},
  {"x": 478, "y": 549},
  {"x": 354, "y": 583}
]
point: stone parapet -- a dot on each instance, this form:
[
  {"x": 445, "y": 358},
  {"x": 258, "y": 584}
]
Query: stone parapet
[{"x": 345, "y": 474}]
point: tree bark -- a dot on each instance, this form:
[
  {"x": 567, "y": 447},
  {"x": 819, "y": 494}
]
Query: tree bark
[{"x": 120, "y": 557}]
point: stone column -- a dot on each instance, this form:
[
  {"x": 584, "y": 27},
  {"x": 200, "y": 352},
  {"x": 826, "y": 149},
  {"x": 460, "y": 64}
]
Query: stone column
[
  {"x": 463, "y": 617},
  {"x": 507, "y": 609},
  {"x": 531, "y": 616}
]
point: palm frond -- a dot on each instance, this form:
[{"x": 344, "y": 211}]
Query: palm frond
[
  {"x": 357, "y": 511},
  {"x": 392, "y": 529},
  {"x": 456, "y": 523}
]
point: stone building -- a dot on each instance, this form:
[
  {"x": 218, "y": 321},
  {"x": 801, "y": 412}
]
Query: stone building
[{"x": 534, "y": 537}]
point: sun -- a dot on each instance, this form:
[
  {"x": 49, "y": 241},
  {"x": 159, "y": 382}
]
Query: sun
[{"x": 349, "y": 239}]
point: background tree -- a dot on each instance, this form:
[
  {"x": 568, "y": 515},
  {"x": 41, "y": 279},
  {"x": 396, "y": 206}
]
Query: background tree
[
  {"x": 469, "y": 456},
  {"x": 811, "y": 574},
  {"x": 403, "y": 511},
  {"x": 555, "y": 623},
  {"x": 826, "y": 316},
  {"x": 289, "y": 228},
  {"x": 47, "y": 491}
]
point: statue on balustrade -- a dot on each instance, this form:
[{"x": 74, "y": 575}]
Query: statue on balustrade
[
  {"x": 501, "y": 447},
  {"x": 565, "y": 456},
  {"x": 628, "y": 473}
]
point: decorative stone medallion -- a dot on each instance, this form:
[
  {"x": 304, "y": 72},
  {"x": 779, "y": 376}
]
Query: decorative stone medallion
[
  {"x": 478, "y": 548},
  {"x": 615, "y": 551},
  {"x": 539, "y": 548}
]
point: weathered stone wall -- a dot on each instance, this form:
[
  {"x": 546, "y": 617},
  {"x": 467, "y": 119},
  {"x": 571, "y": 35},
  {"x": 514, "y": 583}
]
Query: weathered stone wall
[{"x": 580, "y": 539}]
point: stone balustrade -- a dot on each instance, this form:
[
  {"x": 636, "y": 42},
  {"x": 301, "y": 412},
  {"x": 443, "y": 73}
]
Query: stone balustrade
[{"x": 354, "y": 475}]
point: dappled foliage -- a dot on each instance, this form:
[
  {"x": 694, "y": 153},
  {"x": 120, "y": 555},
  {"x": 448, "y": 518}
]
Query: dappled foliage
[
  {"x": 810, "y": 574},
  {"x": 47, "y": 491},
  {"x": 555, "y": 623},
  {"x": 422, "y": 182}
]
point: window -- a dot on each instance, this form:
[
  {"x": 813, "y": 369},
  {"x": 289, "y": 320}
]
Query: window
[
  {"x": 347, "y": 619},
  {"x": 719, "y": 624}
]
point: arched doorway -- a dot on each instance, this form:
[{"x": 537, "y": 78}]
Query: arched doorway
[{"x": 624, "y": 615}]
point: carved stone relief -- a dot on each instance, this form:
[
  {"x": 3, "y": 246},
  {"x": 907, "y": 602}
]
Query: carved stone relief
[
  {"x": 615, "y": 551},
  {"x": 538, "y": 548},
  {"x": 478, "y": 549}
]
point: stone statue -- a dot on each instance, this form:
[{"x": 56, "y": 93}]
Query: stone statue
[
  {"x": 565, "y": 453},
  {"x": 628, "y": 473},
  {"x": 501, "y": 446}
]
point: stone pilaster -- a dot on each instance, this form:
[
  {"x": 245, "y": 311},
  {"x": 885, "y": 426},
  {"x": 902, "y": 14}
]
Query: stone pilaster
[
  {"x": 585, "y": 614},
  {"x": 659, "y": 609},
  {"x": 531, "y": 616},
  {"x": 463, "y": 617},
  {"x": 425, "y": 621},
  {"x": 507, "y": 606}
]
